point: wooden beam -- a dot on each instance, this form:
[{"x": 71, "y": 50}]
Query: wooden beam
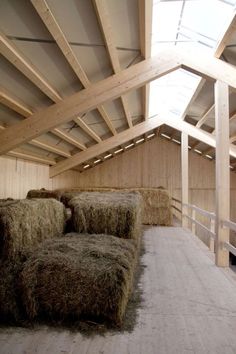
[
  {"x": 46, "y": 146},
  {"x": 196, "y": 133},
  {"x": 226, "y": 35},
  {"x": 106, "y": 27},
  {"x": 18, "y": 106},
  {"x": 184, "y": 177},
  {"x": 145, "y": 34},
  {"x": 222, "y": 171},
  {"x": 22, "y": 154},
  {"x": 49, "y": 147},
  {"x": 204, "y": 118},
  {"x": 111, "y": 88},
  {"x": 23, "y": 64},
  {"x": 86, "y": 100},
  {"x": 50, "y": 22},
  {"x": 203, "y": 64},
  {"x": 87, "y": 129},
  {"x": 106, "y": 145},
  {"x": 193, "y": 98},
  {"x": 232, "y": 117},
  {"x": 67, "y": 137},
  {"x": 15, "y": 104}
]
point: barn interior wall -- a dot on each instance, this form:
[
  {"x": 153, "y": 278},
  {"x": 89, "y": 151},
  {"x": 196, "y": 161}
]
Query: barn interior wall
[{"x": 155, "y": 163}]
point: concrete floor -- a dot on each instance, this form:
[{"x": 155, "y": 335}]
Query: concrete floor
[{"x": 189, "y": 307}]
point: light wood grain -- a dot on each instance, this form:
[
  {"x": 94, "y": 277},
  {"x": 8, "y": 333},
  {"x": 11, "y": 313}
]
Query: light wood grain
[
  {"x": 184, "y": 177},
  {"x": 222, "y": 171},
  {"x": 50, "y": 22},
  {"x": 85, "y": 100}
]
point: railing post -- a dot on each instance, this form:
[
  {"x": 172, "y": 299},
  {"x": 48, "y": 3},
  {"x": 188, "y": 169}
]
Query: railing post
[
  {"x": 212, "y": 241},
  {"x": 193, "y": 223},
  {"x": 222, "y": 171},
  {"x": 184, "y": 177}
]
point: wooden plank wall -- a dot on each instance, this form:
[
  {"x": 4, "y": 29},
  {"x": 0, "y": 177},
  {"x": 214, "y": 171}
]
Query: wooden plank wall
[
  {"x": 18, "y": 176},
  {"x": 155, "y": 163}
]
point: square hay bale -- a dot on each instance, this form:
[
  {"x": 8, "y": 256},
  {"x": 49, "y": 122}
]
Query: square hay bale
[
  {"x": 79, "y": 277},
  {"x": 26, "y": 223},
  {"x": 156, "y": 206},
  {"x": 112, "y": 213},
  {"x": 10, "y": 308},
  {"x": 43, "y": 193},
  {"x": 74, "y": 192}
]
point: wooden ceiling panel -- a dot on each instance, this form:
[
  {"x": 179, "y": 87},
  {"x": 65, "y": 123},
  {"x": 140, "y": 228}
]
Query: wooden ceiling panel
[
  {"x": 50, "y": 62},
  {"x": 19, "y": 19},
  {"x": 16, "y": 83},
  {"x": 78, "y": 21},
  {"x": 126, "y": 13}
]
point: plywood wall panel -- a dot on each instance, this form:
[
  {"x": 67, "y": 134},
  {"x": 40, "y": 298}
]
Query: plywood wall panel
[
  {"x": 18, "y": 176},
  {"x": 155, "y": 163}
]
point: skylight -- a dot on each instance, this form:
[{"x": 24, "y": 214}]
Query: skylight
[{"x": 183, "y": 23}]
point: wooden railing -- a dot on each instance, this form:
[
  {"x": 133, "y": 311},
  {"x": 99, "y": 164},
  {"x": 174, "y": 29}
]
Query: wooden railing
[
  {"x": 212, "y": 223},
  {"x": 210, "y": 230},
  {"x": 175, "y": 207}
]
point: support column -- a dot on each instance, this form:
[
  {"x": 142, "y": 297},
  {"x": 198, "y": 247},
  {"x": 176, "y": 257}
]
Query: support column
[
  {"x": 222, "y": 171},
  {"x": 184, "y": 172}
]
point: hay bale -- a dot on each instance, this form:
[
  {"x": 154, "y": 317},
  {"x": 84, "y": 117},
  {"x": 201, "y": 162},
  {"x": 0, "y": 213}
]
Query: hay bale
[
  {"x": 79, "y": 277},
  {"x": 113, "y": 213},
  {"x": 156, "y": 206},
  {"x": 66, "y": 196},
  {"x": 43, "y": 193},
  {"x": 10, "y": 308},
  {"x": 7, "y": 201},
  {"x": 26, "y": 223}
]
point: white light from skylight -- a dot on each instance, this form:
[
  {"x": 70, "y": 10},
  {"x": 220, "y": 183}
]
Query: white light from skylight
[{"x": 184, "y": 24}]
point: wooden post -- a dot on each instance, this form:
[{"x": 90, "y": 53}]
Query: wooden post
[
  {"x": 184, "y": 171},
  {"x": 212, "y": 241},
  {"x": 193, "y": 223},
  {"x": 222, "y": 171}
]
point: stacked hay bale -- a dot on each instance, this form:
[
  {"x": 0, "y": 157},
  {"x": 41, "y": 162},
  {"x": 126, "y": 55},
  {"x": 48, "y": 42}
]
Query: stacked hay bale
[
  {"x": 24, "y": 224},
  {"x": 43, "y": 193},
  {"x": 79, "y": 277},
  {"x": 156, "y": 206},
  {"x": 113, "y": 213},
  {"x": 74, "y": 192},
  {"x": 156, "y": 202},
  {"x": 88, "y": 275}
]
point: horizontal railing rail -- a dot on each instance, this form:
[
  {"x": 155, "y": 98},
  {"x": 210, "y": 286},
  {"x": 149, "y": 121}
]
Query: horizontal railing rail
[
  {"x": 176, "y": 200},
  {"x": 174, "y": 207},
  {"x": 211, "y": 229},
  {"x": 195, "y": 209},
  {"x": 231, "y": 225},
  {"x": 201, "y": 211},
  {"x": 212, "y": 234}
]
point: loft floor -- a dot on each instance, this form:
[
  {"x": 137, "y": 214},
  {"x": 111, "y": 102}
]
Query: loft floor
[{"x": 189, "y": 307}]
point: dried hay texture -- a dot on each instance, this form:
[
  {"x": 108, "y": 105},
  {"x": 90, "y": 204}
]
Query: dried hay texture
[
  {"x": 10, "y": 308},
  {"x": 74, "y": 192},
  {"x": 43, "y": 193},
  {"x": 156, "y": 206},
  {"x": 79, "y": 277},
  {"x": 26, "y": 223},
  {"x": 113, "y": 213}
]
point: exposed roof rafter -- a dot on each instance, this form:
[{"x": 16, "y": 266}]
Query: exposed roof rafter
[
  {"x": 228, "y": 32},
  {"x": 113, "y": 87},
  {"x": 50, "y": 22},
  {"x": 145, "y": 34},
  {"x": 106, "y": 145},
  {"x": 103, "y": 17}
]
